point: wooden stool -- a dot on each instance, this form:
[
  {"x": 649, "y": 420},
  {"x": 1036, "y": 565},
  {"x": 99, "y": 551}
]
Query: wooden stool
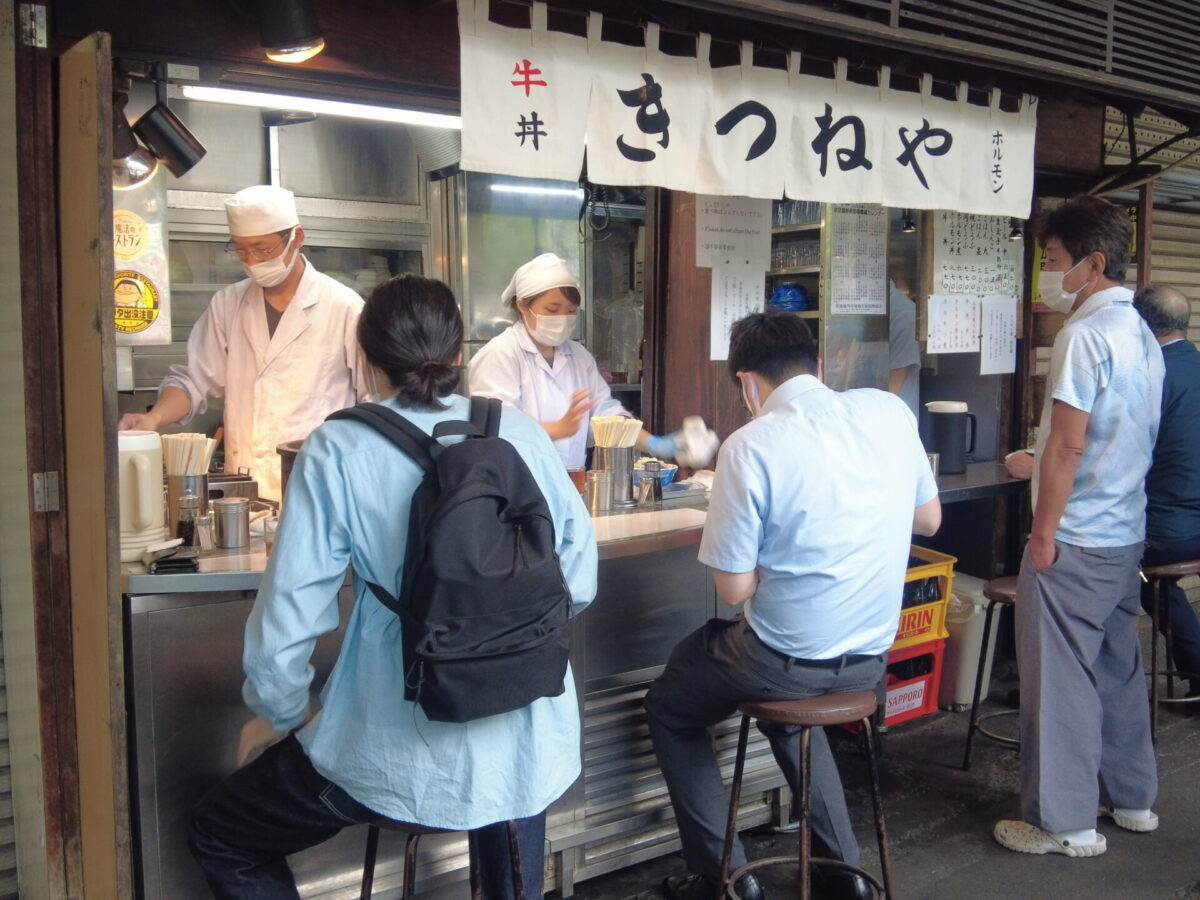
[
  {"x": 414, "y": 833},
  {"x": 998, "y": 590},
  {"x": 814, "y": 712},
  {"x": 1162, "y": 577}
]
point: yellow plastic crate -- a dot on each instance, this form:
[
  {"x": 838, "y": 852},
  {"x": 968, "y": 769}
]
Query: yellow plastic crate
[{"x": 926, "y": 622}]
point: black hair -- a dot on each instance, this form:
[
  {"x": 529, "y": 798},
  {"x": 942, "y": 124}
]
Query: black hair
[
  {"x": 571, "y": 292},
  {"x": 1165, "y": 309},
  {"x": 1089, "y": 225},
  {"x": 411, "y": 330},
  {"x": 775, "y": 345}
]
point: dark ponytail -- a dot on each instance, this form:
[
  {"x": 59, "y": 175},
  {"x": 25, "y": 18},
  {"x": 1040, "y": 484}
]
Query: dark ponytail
[{"x": 410, "y": 329}]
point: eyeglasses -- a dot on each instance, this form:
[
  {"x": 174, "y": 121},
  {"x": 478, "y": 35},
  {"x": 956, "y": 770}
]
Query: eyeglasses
[{"x": 259, "y": 255}]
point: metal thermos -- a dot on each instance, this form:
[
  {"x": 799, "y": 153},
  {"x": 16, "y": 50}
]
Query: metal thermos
[{"x": 231, "y": 516}]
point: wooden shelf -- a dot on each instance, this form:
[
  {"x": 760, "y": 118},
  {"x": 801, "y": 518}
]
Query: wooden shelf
[
  {"x": 796, "y": 270},
  {"x": 808, "y": 314},
  {"x": 794, "y": 229}
]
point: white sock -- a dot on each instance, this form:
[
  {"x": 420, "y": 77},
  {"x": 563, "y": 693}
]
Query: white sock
[
  {"x": 1075, "y": 838},
  {"x": 1141, "y": 815}
]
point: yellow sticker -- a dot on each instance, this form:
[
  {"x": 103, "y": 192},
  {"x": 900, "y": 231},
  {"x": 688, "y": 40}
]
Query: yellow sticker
[
  {"x": 136, "y": 300},
  {"x": 130, "y": 234}
]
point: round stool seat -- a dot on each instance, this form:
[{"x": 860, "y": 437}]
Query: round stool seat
[
  {"x": 406, "y": 827},
  {"x": 828, "y": 709},
  {"x": 1173, "y": 570},
  {"x": 1001, "y": 590}
]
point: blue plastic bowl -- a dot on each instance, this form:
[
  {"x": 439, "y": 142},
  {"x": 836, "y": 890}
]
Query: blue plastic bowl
[{"x": 664, "y": 477}]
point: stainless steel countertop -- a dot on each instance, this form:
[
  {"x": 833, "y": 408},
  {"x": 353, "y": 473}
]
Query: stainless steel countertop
[{"x": 619, "y": 533}]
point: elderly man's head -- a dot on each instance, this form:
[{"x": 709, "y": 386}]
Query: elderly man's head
[{"x": 1165, "y": 310}]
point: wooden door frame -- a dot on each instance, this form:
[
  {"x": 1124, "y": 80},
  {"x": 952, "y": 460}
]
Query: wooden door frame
[{"x": 45, "y": 449}]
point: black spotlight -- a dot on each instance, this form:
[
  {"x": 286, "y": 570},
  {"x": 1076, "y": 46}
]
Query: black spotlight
[
  {"x": 169, "y": 139},
  {"x": 1015, "y": 232},
  {"x": 907, "y": 225},
  {"x": 289, "y": 30},
  {"x": 132, "y": 164}
]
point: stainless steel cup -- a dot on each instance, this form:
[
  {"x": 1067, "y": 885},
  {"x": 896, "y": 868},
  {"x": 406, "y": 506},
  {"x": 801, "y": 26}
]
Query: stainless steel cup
[
  {"x": 618, "y": 461},
  {"x": 933, "y": 462},
  {"x": 231, "y": 516},
  {"x": 599, "y": 490}
]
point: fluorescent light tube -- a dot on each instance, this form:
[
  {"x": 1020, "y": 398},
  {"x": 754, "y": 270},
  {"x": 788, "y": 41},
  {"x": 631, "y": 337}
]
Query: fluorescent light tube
[
  {"x": 546, "y": 191},
  {"x": 344, "y": 108}
]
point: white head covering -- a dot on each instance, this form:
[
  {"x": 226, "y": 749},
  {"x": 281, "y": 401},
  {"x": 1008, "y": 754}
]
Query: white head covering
[
  {"x": 542, "y": 273},
  {"x": 262, "y": 209}
]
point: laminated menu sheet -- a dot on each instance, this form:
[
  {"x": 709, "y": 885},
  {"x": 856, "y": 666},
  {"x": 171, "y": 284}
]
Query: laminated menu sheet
[{"x": 858, "y": 260}]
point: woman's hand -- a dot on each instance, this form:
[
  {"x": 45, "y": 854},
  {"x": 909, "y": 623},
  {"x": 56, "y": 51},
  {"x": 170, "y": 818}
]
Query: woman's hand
[{"x": 577, "y": 412}]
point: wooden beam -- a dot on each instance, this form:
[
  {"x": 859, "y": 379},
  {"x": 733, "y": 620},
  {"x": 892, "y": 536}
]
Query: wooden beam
[{"x": 90, "y": 420}]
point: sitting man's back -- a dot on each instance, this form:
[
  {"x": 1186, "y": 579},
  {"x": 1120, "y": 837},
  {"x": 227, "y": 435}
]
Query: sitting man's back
[{"x": 809, "y": 521}]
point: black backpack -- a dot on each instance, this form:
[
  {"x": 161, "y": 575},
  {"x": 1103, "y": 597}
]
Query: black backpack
[{"x": 483, "y": 605}]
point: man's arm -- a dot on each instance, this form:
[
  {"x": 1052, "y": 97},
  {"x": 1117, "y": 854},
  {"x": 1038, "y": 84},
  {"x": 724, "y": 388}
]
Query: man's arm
[
  {"x": 1056, "y": 470},
  {"x": 927, "y": 518},
  {"x": 734, "y": 588},
  {"x": 172, "y": 405}
]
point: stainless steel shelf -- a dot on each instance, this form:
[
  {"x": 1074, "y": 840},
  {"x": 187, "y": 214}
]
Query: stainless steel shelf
[
  {"x": 794, "y": 229},
  {"x": 796, "y": 270}
]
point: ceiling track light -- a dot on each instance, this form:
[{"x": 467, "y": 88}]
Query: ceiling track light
[
  {"x": 1015, "y": 231},
  {"x": 165, "y": 138},
  {"x": 907, "y": 224},
  {"x": 289, "y": 31},
  {"x": 132, "y": 164}
]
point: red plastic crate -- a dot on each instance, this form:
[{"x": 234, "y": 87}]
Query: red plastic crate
[{"x": 914, "y": 697}]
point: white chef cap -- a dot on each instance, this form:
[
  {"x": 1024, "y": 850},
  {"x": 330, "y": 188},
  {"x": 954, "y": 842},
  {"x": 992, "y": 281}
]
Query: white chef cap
[
  {"x": 542, "y": 273},
  {"x": 261, "y": 209}
]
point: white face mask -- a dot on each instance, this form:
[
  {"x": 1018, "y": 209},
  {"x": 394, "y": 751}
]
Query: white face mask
[
  {"x": 1050, "y": 287},
  {"x": 273, "y": 271},
  {"x": 550, "y": 331},
  {"x": 751, "y": 399}
]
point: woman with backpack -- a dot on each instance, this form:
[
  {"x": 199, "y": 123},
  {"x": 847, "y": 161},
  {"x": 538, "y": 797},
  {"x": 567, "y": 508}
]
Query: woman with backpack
[{"x": 368, "y": 752}]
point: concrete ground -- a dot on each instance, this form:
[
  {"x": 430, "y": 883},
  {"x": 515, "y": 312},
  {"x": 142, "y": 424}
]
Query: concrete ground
[{"x": 940, "y": 820}]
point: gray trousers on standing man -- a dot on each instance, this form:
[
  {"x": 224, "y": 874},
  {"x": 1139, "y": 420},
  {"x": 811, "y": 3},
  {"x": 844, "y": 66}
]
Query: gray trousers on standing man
[
  {"x": 1085, "y": 722},
  {"x": 709, "y": 673}
]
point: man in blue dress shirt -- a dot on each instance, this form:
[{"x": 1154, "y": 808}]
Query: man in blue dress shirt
[
  {"x": 1173, "y": 484},
  {"x": 809, "y": 523}
]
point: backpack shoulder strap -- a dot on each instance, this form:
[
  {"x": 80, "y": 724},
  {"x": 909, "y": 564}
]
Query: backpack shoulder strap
[
  {"x": 485, "y": 415},
  {"x": 404, "y": 434}
]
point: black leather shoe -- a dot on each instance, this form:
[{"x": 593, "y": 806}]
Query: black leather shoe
[
  {"x": 839, "y": 884},
  {"x": 703, "y": 887}
]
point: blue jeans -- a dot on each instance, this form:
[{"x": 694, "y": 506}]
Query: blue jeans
[
  {"x": 244, "y": 828},
  {"x": 1185, "y": 628}
]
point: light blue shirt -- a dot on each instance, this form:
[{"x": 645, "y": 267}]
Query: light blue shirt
[
  {"x": 347, "y": 504},
  {"x": 818, "y": 494},
  {"x": 1106, "y": 363}
]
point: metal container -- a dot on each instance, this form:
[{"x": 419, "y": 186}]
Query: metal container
[
  {"x": 231, "y": 516},
  {"x": 599, "y": 490},
  {"x": 180, "y": 486},
  {"x": 618, "y": 461}
]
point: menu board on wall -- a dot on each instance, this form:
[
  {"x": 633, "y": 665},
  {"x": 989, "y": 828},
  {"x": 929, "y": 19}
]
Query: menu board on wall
[
  {"x": 973, "y": 255},
  {"x": 858, "y": 260}
]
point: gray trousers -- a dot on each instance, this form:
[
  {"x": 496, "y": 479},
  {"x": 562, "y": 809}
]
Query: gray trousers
[
  {"x": 1085, "y": 721},
  {"x": 709, "y": 672}
]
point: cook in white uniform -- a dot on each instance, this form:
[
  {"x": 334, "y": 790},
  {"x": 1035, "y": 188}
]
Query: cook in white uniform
[
  {"x": 535, "y": 367},
  {"x": 280, "y": 346}
]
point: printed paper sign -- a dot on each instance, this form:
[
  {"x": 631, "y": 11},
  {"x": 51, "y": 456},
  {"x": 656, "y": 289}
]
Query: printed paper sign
[
  {"x": 737, "y": 291},
  {"x": 953, "y": 324}
]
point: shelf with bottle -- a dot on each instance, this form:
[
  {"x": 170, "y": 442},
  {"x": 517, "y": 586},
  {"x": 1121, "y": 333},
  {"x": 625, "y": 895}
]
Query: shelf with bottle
[{"x": 814, "y": 269}]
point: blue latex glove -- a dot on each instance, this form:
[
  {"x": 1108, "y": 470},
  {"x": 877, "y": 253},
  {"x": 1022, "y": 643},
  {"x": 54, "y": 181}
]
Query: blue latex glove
[{"x": 662, "y": 446}]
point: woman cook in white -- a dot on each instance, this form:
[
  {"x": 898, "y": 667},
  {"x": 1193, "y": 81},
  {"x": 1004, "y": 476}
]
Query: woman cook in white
[{"x": 535, "y": 367}]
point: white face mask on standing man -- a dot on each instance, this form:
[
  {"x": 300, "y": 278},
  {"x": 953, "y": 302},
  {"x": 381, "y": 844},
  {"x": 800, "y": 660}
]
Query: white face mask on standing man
[
  {"x": 273, "y": 271},
  {"x": 1050, "y": 288}
]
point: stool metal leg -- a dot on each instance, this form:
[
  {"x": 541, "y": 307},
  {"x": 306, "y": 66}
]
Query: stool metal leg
[
  {"x": 973, "y": 722},
  {"x": 735, "y": 797},
  {"x": 1168, "y": 636},
  {"x": 885, "y": 858},
  {"x": 368, "y": 880},
  {"x": 514, "y": 861},
  {"x": 410, "y": 867},
  {"x": 805, "y": 812},
  {"x": 476, "y": 879}
]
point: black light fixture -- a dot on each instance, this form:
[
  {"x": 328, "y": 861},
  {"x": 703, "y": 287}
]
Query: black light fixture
[
  {"x": 907, "y": 225},
  {"x": 132, "y": 164},
  {"x": 289, "y": 30},
  {"x": 1015, "y": 232},
  {"x": 166, "y": 136}
]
